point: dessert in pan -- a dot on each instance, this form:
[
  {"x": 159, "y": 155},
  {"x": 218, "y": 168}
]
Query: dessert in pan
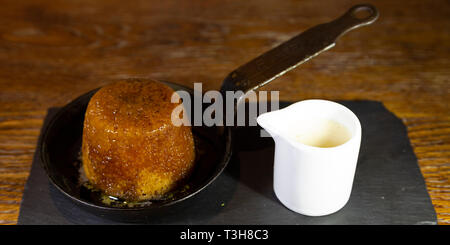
[{"x": 131, "y": 149}]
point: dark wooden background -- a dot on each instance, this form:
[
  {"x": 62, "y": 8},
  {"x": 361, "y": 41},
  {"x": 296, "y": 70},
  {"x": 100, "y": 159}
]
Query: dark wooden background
[{"x": 53, "y": 51}]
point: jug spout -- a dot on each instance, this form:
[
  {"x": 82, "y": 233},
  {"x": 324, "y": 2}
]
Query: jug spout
[
  {"x": 268, "y": 123},
  {"x": 277, "y": 124}
]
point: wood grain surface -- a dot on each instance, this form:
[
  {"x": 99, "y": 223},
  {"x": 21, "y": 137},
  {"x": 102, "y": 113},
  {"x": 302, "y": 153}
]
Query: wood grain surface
[{"x": 53, "y": 51}]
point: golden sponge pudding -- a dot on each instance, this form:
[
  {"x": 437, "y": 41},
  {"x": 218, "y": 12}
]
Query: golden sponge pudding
[{"x": 130, "y": 147}]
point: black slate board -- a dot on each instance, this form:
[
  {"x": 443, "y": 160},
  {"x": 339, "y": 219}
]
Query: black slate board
[{"x": 388, "y": 186}]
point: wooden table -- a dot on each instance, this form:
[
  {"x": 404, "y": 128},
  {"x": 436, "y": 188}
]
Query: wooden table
[{"x": 53, "y": 51}]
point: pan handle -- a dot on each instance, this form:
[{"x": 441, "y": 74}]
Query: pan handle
[{"x": 274, "y": 63}]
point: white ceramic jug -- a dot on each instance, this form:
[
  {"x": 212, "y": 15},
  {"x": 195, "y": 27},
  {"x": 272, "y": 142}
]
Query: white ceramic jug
[{"x": 312, "y": 180}]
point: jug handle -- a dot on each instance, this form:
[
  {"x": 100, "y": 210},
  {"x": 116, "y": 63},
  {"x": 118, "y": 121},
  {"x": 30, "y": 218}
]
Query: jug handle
[{"x": 299, "y": 49}]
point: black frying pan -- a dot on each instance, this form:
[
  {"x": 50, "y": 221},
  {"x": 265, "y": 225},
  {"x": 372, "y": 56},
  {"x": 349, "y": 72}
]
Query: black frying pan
[{"x": 61, "y": 139}]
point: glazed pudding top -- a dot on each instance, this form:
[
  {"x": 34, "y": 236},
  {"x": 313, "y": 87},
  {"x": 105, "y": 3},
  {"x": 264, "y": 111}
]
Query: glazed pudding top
[{"x": 133, "y": 104}]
